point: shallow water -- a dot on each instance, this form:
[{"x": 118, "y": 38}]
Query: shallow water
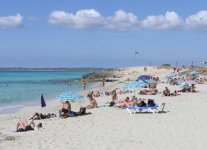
[{"x": 18, "y": 89}]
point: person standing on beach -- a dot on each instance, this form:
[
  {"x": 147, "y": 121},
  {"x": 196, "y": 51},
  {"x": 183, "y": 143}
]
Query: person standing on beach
[
  {"x": 103, "y": 82},
  {"x": 174, "y": 69},
  {"x": 145, "y": 69},
  {"x": 84, "y": 84}
]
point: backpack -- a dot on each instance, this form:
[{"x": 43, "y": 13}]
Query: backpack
[
  {"x": 151, "y": 102},
  {"x": 111, "y": 104}
]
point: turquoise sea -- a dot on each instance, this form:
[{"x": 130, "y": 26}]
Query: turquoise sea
[{"x": 19, "y": 89}]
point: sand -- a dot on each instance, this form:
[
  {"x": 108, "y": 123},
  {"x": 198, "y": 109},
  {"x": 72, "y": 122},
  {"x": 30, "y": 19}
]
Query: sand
[{"x": 182, "y": 126}]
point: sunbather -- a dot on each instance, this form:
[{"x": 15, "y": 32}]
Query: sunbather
[
  {"x": 93, "y": 103},
  {"x": 38, "y": 116},
  {"x": 174, "y": 94},
  {"x": 66, "y": 108},
  {"x": 81, "y": 112},
  {"x": 124, "y": 103},
  {"x": 185, "y": 89},
  {"x": 23, "y": 126},
  {"x": 166, "y": 92},
  {"x": 148, "y": 92}
]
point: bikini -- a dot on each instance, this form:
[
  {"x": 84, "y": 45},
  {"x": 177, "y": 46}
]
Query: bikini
[{"x": 27, "y": 128}]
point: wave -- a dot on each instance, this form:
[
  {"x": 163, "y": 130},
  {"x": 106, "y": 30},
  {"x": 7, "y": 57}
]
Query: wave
[{"x": 10, "y": 107}]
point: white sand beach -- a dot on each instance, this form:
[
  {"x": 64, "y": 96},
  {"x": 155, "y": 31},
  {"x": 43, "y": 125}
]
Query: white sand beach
[{"x": 181, "y": 127}]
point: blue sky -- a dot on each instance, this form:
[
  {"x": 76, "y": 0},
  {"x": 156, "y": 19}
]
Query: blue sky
[{"x": 102, "y": 33}]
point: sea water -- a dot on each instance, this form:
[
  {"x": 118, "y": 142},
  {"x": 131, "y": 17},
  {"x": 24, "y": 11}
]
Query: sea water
[{"x": 19, "y": 89}]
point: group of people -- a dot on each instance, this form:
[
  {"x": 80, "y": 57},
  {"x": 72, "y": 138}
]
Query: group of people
[
  {"x": 64, "y": 112},
  {"x": 127, "y": 102},
  {"x": 134, "y": 101},
  {"x": 166, "y": 92}
]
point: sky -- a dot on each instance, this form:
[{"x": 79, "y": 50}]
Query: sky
[{"x": 102, "y": 33}]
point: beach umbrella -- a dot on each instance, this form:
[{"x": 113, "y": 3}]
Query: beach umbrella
[
  {"x": 69, "y": 96},
  {"x": 194, "y": 73},
  {"x": 43, "y": 104},
  {"x": 144, "y": 77},
  {"x": 185, "y": 85},
  {"x": 150, "y": 81},
  {"x": 170, "y": 75},
  {"x": 135, "y": 84},
  {"x": 182, "y": 74}
]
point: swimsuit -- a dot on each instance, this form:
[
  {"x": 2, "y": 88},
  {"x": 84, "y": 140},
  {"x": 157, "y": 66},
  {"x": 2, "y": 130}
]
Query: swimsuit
[{"x": 27, "y": 128}]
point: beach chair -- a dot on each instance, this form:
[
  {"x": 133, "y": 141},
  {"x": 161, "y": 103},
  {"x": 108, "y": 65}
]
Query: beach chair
[{"x": 153, "y": 109}]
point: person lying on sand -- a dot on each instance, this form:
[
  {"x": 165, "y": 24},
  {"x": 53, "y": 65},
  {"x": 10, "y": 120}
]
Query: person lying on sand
[
  {"x": 81, "y": 112},
  {"x": 148, "y": 92},
  {"x": 66, "y": 108},
  {"x": 23, "y": 126},
  {"x": 38, "y": 116},
  {"x": 184, "y": 90},
  {"x": 124, "y": 103},
  {"x": 174, "y": 94}
]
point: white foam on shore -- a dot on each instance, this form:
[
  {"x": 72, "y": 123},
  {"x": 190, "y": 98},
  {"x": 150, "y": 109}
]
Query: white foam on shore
[{"x": 10, "y": 109}]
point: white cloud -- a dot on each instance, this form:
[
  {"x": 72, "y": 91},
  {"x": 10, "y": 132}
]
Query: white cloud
[
  {"x": 198, "y": 20},
  {"x": 82, "y": 19},
  {"x": 11, "y": 21},
  {"x": 168, "y": 21},
  {"x": 122, "y": 21}
]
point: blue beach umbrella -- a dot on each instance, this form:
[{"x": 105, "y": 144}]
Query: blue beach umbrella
[
  {"x": 170, "y": 75},
  {"x": 143, "y": 77},
  {"x": 194, "y": 73},
  {"x": 43, "y": 104},
  {"x": 185, "y": 85},
  {"x": 69, "y": 96},
  {"x": 135, "y": 84}
]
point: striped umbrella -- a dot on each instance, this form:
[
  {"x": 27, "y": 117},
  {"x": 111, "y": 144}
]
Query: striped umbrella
[{"x": 69, "y": 96}]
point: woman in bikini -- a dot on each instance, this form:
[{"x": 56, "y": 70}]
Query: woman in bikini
[
  {"x": 66, "y": 109},
  {"x": 93, "y": 103},
  {"x": 23, "y": 126}
]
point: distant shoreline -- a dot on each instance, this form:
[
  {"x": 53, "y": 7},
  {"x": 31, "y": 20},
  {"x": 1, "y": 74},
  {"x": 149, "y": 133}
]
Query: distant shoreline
[{"x": 20, "y": 69}]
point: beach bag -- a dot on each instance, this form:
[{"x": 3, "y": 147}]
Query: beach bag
[
  {"x": 111, "y": 104},
  {"x": 82, "y": 110},
  {"x": 151, "y": 102}
]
